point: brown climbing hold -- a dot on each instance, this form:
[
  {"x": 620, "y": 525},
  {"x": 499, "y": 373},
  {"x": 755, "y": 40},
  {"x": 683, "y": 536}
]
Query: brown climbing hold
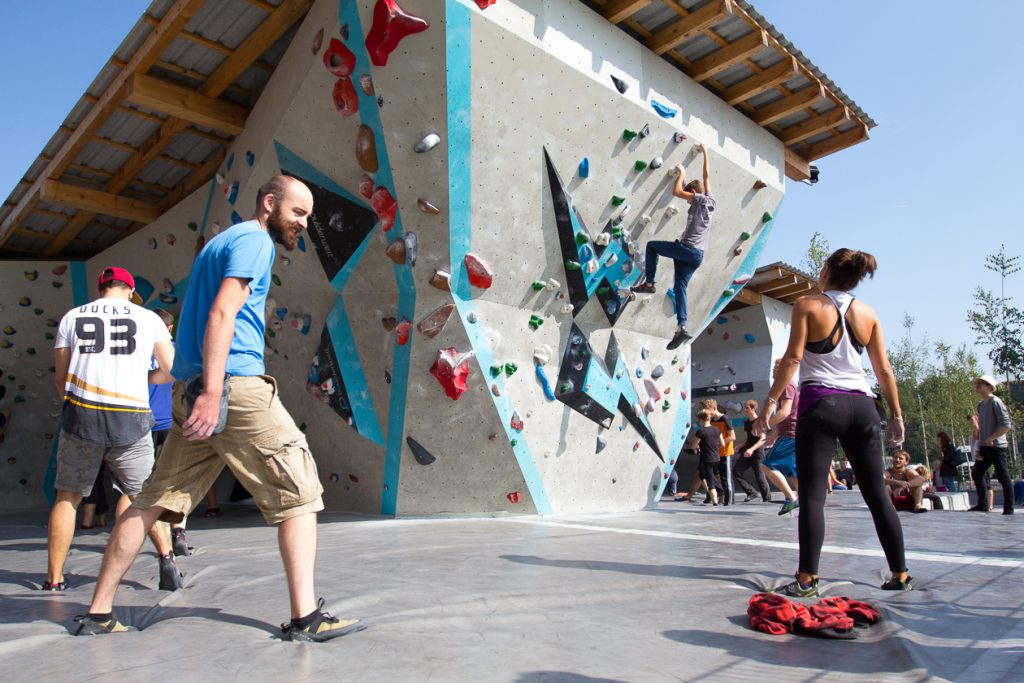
[
  {"x": 396, "y": 251},
  {"x": 318, "y": 41},
  {"x": 495, "y": 390},
  {"x": 441, "y": 280},
  {"x": 451, "y": 367},
  {"x": 434, "y": 322},
  {"x": 427, "y": 207},
  {"x": 481, "y": 272},
  {"x": 402, "y": 332},
  {"x": 366, "y": 149},
  {"x": 513, "y": 497},
  {"x": 389, "y": 323},
  {"x": 493, "y": 437},
  {"x": 760, "y": 184}
]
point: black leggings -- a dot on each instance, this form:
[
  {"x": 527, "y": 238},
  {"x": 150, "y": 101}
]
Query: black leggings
[{"x": 854, "y": 421}]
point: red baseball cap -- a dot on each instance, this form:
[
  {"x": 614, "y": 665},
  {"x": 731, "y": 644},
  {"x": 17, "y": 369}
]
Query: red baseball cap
[{"x": 111, "y": 273}]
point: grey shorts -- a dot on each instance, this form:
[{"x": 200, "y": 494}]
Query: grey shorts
[{"x": 79, "y": 461}]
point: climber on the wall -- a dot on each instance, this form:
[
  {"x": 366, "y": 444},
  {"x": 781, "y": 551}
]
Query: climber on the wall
[{"x": 687, "y": 252}]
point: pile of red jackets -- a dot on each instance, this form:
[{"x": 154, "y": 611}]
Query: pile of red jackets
[{"x": 829, "y": 618}]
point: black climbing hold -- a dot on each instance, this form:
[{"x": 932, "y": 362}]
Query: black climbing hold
[
  {"x": 422, "y": 455},
  {"x": 645, "y": 131},
  {"x": 620, "y": 85},
  {"x": 387, "y": 377}
]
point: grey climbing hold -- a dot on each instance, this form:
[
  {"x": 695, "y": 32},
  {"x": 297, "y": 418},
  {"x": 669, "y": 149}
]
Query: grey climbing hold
[
  {"x": 602, "y": 443},
  {"x": 410, "y": 248},
  {"x": 620, "y": 85},
  {"x": 422, "y": 455},
  {"x": 645, "y": 131},
  {"x": 471, "y": 317},
  {"x": 657, "y": 162},
  {"x": 657, "y": 372},
  {"x": 429, "y": 142}
]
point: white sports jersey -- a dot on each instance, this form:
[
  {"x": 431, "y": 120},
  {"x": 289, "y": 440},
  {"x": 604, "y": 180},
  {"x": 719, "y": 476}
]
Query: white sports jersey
[{"x": 106, "y": 396}]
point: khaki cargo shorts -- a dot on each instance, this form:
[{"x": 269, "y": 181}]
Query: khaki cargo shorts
[{"x": 260, "y": 444}]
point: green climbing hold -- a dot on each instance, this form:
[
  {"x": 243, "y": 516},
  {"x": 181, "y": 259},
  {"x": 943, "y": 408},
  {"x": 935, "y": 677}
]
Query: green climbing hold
[
  {"x": 766, "y": 217},
  {"x": 744, "y": 236},
  {"x": 49, "y": 335},
  {"x": 30, "y": 351},
  {"x": 271, "y": 333},
  {"x": 628, "y": 135},
  {"x": 604, "y": 290},
  {"x": 640, "y": 165},
  {"x": 729, "y": 292},
  {"x": 514, "y": 442},
  {"x": 535, "y": 322},
  {"x": 675, "y": 360},
  {"x": 616, "y": 232},
  {"x": 19, "y": 399},
  {"x": 617, "y": 200},
  {"x": 50, "y": 322},
  {"x": 510, "y": 369},
  {"x": 564, "y": 387},
  {"x": 538, "y": 285},
  {"x": 581, "y": 239},
  {"x": 276, "y": 279},
  {"x": 37, "y": 311},
  {"x": 192, "y": 226},
  {"x": 495, "y": 370},
  {"x": 572, "y": 265},
  {"x": 57, "y": 284},
  {"x": 665, "y": 406}
]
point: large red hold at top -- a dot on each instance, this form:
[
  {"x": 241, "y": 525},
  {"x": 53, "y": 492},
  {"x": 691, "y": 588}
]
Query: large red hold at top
[{"x": 390, "y": 24}]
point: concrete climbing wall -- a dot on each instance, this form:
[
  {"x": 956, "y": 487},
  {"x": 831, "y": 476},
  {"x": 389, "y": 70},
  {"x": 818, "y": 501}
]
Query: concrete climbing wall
[
  {"x": 457, "y": 237},
  {"x": 34, "y": 295}
]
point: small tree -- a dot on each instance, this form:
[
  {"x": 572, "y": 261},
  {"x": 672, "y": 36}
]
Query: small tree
[
  {"x": 818, "y": 252},
  {"x": 999, "y": 325}
]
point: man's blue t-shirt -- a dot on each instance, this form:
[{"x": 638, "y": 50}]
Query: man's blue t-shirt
[
  {"x": 160, "y": 403},
  {"x": 244, "y": 251}
]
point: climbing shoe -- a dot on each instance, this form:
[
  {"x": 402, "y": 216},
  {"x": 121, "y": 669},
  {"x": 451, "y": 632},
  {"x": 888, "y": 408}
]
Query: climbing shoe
[
  {"x": 789, "y": 506},
  {"x": 678, "y": 338},
  {"x": 895, "y": 584},
  {"x": 58, "y": 587},
  {"x": 645, "y": 288},
  {"x": 795, "y": 589},
  {"x": 180, "y": 543},
  {"x": 94, "y": 626},
  {"x": 170, "y": 577},
  {"x": 319, "y": 627}
]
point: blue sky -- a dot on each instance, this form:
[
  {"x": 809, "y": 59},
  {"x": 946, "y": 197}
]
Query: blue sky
[{"x": 929, "y": 195}]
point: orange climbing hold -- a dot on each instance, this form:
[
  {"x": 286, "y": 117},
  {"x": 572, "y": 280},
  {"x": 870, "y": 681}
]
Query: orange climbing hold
[
  {"x": 402, "y": 332},
  {"x": 390, "y": 25},
  {"x": 345, "y": 99},
  {"x": 396, "y": 251}
]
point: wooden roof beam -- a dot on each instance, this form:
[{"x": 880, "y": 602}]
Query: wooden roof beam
[
  {"x": 187, "y": 104},
  {"x": 148, "y": 52},
  {"x": 776, "y": 284},
  {"x": 770, "y": 113},
  {"x": 789, "y": 294},
  {"x": 758, "y": 83},
  {"x": 797, "y": 168},
  {"x": 99, "y": 202},
  {"x": 618, "y": 10},
  {"x": 748, "y": 297},
  {"x": 722, "y": 59},
  {"x": 836, "y": 143},
  {"x": 814, "y": 125},
  {"x": 690, "y": 25}
]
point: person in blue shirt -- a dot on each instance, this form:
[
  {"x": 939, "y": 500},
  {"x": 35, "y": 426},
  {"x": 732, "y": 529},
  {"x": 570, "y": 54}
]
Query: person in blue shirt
[{"x": 218, "y": 368}]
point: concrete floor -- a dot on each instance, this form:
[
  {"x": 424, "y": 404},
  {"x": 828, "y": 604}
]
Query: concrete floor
[{"x": 648, "y": 596}]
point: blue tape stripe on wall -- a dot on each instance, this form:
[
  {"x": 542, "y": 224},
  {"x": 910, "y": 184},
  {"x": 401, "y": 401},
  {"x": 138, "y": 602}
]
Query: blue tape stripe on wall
[
  {"x": 746, "y": 269},
  {"x": 458, "y": 53},
  {"x": 369, "y": 113}
]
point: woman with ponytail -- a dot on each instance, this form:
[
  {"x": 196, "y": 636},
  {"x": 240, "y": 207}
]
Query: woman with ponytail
[{"x": 828, "y": 334}]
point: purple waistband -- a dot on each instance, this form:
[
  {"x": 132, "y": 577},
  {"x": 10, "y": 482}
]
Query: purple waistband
[{"x": 810, "y": 394}]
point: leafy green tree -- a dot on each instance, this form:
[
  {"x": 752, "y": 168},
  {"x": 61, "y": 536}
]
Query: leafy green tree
[
  {"x": 818, "y": 252},
  {"x": 998, "y": 324}
]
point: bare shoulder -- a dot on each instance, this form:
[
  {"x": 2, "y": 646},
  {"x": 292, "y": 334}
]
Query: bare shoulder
[{"x": 863, "y": 311}]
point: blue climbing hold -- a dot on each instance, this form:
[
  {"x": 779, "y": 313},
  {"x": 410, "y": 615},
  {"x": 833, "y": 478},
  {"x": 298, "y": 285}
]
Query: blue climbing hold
[
  {"x": 544, "y": 383},
  {"x": 586, "y": 253},
  {"x": 663, "y": 111},
  {"x": 230, "y": 162},
  {"x": 235, "y": 218},
  {"x": 233, "y": 192},
  {"x": 250, "y": 158},
  {"x": 585, "y": 168},
  {"x": 722, "y": 320},
  {"x": 749, "y": 338},
  {"x": 639, "y": 373}
]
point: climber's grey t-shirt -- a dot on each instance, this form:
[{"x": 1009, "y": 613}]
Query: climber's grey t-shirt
[{"x": 698, "y": 222}]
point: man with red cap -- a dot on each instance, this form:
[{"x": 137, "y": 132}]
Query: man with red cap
[{"x": 102, "y": 359}]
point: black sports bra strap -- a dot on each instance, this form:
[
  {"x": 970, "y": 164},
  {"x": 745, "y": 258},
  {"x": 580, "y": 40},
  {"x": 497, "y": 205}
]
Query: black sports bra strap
[{"x": 827, "y": 345}]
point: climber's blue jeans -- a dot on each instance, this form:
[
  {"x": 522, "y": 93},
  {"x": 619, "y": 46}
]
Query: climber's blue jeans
[{"x": 686, "y": 259}]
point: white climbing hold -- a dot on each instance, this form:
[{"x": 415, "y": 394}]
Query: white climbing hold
[
  {"x": 645, "y": 219},
  {"x": 603, "y": 240},
  {"x": 567, "y": 309},
  {"x": 671, "y": 211},
  {"x": 542, "y": 354},
  {"x": 612, "y": 260},
  {"x": 553, "y": 285},
  {"x": 429, "y": 142},
  {"x": 591, "y": 266}
]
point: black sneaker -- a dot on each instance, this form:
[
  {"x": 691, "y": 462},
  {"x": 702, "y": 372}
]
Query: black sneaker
[
  {"x": 750, "y": 497},
  {"x": 794, "y": 589},
  {"x": 895, "y": 584},
  {"x": 678, "y": 338},
  {"x": 170, "y": 576},
  {"x": 58, "y": 587},
  {"x": 180, "y": 543},
  {"x": 645, "y": 288},
  {"x": 324, "y": 627},
  {"x": 90, "y": 626},
  {"x": 977, "y": 508}
]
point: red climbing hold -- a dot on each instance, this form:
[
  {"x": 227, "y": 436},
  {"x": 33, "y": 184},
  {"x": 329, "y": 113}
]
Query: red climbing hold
[
  {"x": 402, "y": 332},
  {"x": 366, "y": 186},
  {"x": 59, "y": 270},
  {"x": 390, "y": 25},
  {"x": 345, "y": 99},
  {"x": 385, "y": 206},
  {"x": 513, "y": 497},
  {"x": 451, "y": 368},
  {"x": 338, "y": 59},
  {"x": 480, "y": 271},
  {"x": 484, "y": 4},
  {"x": 353, "y": 478}
]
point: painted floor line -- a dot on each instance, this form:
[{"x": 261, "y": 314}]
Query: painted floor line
[{"x": 947, "y": 558}]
